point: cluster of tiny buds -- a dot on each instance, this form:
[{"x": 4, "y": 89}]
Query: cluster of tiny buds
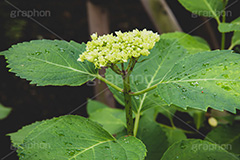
[{"x": 110, "y": 49}]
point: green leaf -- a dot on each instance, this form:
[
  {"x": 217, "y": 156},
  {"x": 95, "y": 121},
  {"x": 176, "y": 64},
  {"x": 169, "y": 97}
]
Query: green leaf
[
  {"x": 48, "y": 62},
  {"x": 4, "y": 111},
  {"x": 230, "y": 27},
  {"x": 190, "y": 43},
  {"x": 206, "y": 8},
  {"x": 202, "y": 80},
  {"x": 74, "y": 137},
  {"x": 235, "y": 39},
  {"x": 112, "y": 120},
  {"x": 93, "y": 106},
  {"x": 174, "y": 135},
  {"x": 227, "y": 137},
  {"x": 153, "y": 136},
  {"x": 18, "y": 137},
  {"x": 196, "y": 149}
]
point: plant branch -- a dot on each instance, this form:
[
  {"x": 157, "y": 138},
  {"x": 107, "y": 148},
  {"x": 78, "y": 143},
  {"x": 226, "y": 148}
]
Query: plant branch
[
  {"x": 109, "y": 83},
  {"x": 128, "y": 105},
  {"x": 116, "y": 69},
  {"x": 136, "y": 123},
  {"x": 144, "y": 90}
]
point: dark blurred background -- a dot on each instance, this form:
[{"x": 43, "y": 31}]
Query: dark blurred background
[{"x": 69, "y": 20}]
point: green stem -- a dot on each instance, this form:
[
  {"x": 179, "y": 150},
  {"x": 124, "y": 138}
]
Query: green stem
[
  {"x": 185, "y": 131},
  {"x": 116, "y": 69},
  {"x": 109, "y": 83},
  {"x": 128, "y": 105},
  {"x": 136, "y": 123},
  {"x": 144, "y": 90},
  {"x": 231, "y": 47}
]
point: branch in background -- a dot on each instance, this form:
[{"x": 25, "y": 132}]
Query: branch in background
[
  {"x": 211, "y": 34},
  {"x": 98, "y": 22},
  {"x": 161, "y": 15}
]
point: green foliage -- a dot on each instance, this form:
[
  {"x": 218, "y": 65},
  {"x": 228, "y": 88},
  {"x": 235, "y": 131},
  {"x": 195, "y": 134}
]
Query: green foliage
[
  {"x": 202, "y": 80},
  {"x": 47, "y": 62},
  {"x": 74, "y": 137},
  {"x": 153, "y": 136},
  {"x": 4, "y": 111},
  {"x": 197, "y": 149},
  {"x": 113, "y": 120},
  {"x": 235, "y": 39},
  {"x": 174, "y": 135},
  {"x": 190, "y": 43},
  {"x": 230, "y": 27},
  {"x": 206, "y": 8},
  {"x": 226, "y": 136}
]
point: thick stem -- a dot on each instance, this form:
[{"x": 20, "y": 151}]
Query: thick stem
[{"x": 128, "y": 104}]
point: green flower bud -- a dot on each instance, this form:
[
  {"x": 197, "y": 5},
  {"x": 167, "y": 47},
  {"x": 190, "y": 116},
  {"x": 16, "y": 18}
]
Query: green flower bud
[{"x": 107, "y": 49}]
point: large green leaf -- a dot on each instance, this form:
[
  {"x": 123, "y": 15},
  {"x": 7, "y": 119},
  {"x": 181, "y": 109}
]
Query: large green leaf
[
  {"x": 153, "y": 136},
  {"x": 4, "y": 111},
  {"x": 226, "y": 136},
  {"x": 190, "y": 43},
  {"x": 112, "y": 119},
  {"x": 230, "y": 27},
  {"x": 202, "y": 80},
  {"x": 206, "y": 8},
  {"x": 48, "y": 62},
  {"x": 197, "y": 149},
  {"x": 235, "y": 39},
  {"x": 74, "y": 137}
]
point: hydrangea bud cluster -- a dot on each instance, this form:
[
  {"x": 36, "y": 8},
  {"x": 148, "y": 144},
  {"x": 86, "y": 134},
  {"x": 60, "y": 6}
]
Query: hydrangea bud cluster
[{"x": 107, "y": 49}]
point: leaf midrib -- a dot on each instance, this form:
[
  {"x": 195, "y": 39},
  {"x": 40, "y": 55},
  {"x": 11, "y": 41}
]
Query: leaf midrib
[
  {"x": 210, "y": 8},
  {"x": 88, "y": 149},
  {"x": 62, "y": 66}
]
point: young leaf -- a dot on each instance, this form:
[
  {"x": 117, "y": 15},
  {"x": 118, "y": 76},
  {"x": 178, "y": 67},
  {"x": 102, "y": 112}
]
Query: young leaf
[
  {"x": 190, "y": 43},
  {"x": 230, "y": 27},
  {"x": 48, "y": 62},
  {"x": 4, "y": 112},
  {"x": 235, "y": 39},
  {"x": 153, "y": 137},
  {"x": 112, "y": 120},
  {"x": 206, "y": 8},
  {"x": 74, "y": 137},
  {"x": 202, "y": 80},
  {"x": 197, "y": 149},
  {"x": 226, "y": 136}
]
